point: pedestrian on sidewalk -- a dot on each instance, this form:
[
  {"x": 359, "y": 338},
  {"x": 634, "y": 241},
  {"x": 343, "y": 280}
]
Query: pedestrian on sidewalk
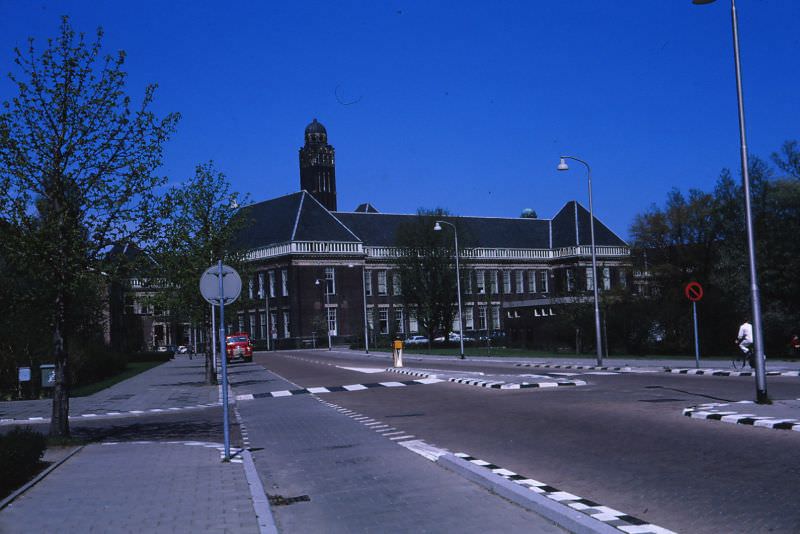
[{"x": 794, "y": 345}]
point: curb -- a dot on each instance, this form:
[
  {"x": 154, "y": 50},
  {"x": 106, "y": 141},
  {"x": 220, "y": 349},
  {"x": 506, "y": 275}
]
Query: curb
[
  {"x": 712, "y": 412},
  {"x": 492, "y": 384},
  {"x": 514, "y": 385},
  {"x": 8, "y": 500},
  {"x": 717, "y": 372},
  {"x": 266, "y": 522},
  {"x": 559, "y": 514},
  {"x": 569, "y": 366}
]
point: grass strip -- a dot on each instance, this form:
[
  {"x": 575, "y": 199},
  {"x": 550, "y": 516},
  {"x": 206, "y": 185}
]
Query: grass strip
[{"x": 132, "y": 369}]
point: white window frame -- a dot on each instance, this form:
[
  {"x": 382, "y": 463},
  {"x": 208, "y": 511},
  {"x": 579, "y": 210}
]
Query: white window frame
[
  {"x": 467, "y": 282},
  {"x": 469, "y": 318},
  {"x": 606, "y": 278},
  {"x": 399, "y": 325},
  {"x": 383, "y": 320},
  {"x": 286, "y": 324},
  {"x": 480, "y": 281},
  {"x": 332, "y": 321},
  {"x": 520, "y": 282},
  {"x": 496, "y": 317},
  {"x": 413, "y": 324},
  {"x": 368, "y": 283},
  {"x": 285, "y": 282},
  {"x": 482, "y": 317},
  {"x": 531, "y": 281},
  {"x": 493, "y": 282},
  {"x": 262, "y": 317},
  {"x": 330, "y": 281},
  {"x": 396, "y": 288},
  {"x": 253, "y": 325},
  {"x": 506, "y": 282},
  {"x": 382, "y": 283},
  {"x": 261, "y": 293},
  {"x": 589, "y": 279},
  {"x": 271, "y": 283},
  {"x": 544, "y": 279},
  {"x": 570, "y": 280}
]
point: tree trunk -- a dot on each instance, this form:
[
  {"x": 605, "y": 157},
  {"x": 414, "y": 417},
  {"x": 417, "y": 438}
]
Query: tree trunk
[
  {"x": 59, "y": 422},
  {"x": 578, "y": 344},
  {"x": 211, "y": 376}
]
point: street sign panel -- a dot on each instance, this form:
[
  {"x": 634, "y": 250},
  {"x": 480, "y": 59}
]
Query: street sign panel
[
  {"x": 693, "y": 291},
  {"x": 231, "y": 285}
]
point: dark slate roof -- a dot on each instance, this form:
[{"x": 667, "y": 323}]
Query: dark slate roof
[
  {"x": 379, "y": 229},
  {"x": 571, "y": 226},
  {"x": 366, "y": 207},
  {"x": 300, "y": 217},
  {"x": 295, "y": 217}
]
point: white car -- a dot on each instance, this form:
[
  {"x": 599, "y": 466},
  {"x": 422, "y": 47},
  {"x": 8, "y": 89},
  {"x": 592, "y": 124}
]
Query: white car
[{"x": 416, "y": 340}]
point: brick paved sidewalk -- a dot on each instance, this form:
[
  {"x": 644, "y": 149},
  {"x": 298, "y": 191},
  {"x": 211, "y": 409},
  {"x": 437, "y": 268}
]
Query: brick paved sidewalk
[
  {"x": 137, "y": 487},
  {"x": 178, "y": 383},
  {"x": 331, "y": 473}
]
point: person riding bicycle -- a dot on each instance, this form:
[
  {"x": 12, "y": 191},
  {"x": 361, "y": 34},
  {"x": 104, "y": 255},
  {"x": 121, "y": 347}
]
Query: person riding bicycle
[{"x": 745, "y": 341}]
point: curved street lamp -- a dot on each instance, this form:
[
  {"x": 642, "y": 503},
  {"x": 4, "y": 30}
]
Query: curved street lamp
[
  {"x": 562, "y": 166},
  {"x": 438, "y": 228},
  {"x": 755, "y": 298}
]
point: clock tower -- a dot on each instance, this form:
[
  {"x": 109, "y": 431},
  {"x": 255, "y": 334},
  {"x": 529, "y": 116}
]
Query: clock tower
[{"x": 318, "y": 166}]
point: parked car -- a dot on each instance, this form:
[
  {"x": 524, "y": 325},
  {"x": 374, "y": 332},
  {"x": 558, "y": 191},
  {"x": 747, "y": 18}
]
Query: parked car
[
  {"x": 454, "y": 337},
  {"x": 239, "y": 347},
  {"x": 183, "y": 349},
  {"x": 416, "y": 340}
]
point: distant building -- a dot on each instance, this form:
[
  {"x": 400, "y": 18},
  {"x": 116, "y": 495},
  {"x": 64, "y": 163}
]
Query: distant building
[{"x": 309, "y": 259}]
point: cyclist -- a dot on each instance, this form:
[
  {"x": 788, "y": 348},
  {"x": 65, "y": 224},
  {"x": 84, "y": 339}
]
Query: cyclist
[{"x": 745, "y": 341}]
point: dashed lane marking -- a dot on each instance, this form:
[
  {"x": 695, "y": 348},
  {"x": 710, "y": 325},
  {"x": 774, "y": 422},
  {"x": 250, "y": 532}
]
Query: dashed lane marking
[{"x": 335, "y": 389}]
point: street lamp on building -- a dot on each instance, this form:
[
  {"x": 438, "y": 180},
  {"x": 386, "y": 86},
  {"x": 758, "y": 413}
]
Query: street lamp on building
[
  {"x": 755, "y": 299},
  {"x": 562, "y": 166},
  {"x": 324, "y": 284},
  {"x": 438, "y": 227}
]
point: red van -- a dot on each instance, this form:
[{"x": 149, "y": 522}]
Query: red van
[{"x": 238, "y": 346}]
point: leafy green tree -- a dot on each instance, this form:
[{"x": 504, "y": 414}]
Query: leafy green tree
[
  {"x": 77, "y": 175},
  {"x": 427, "y": 271},
  {"x": 200, "y": 231}
]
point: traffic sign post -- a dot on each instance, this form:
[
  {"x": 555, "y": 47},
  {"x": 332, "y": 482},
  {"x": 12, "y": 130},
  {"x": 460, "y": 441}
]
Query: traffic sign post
[
  {"x": 694, "y": 292},
  {"x": 222, "y": 285}
]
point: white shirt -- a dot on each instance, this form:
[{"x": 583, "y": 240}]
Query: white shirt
[{"x": 746, "y": 332}]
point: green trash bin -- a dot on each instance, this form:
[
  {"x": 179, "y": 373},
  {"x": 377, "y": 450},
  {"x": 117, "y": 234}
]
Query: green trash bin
[{"x": 48, "y": 375}]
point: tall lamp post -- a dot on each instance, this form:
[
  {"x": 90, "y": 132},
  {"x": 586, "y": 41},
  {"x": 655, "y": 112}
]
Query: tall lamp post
[
  {"x": 364, "y": 294},
  {"x": 324, "y": 283},
  {"x": 438, "y": 227},
  {"x": 562, "y": 166},
  {"x": 755, "y": 298}
]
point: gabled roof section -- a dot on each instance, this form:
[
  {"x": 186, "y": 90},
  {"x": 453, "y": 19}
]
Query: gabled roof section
[
  {"x": 366, "y": 207},
  {"x": 315, "y": 223},
  {"x": 295, "y": 217},
  {"x": 269, "y": 222},
  {"x": 572, "y": 226}
]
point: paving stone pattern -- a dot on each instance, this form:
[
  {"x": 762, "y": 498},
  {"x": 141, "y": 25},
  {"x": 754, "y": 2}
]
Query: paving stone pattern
[
  {"x": 137, "y": 487},
  {"x": 357, "y": 480}
]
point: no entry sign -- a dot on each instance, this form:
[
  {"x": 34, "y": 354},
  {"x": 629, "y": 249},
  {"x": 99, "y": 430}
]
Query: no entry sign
[{"x": 693, "y": 291}]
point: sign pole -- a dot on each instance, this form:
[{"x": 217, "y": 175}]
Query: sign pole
[
  {"x": 213, "y": 339},
  {"x": 696, "y": 337},
  {"x": 224, "y": 359}
]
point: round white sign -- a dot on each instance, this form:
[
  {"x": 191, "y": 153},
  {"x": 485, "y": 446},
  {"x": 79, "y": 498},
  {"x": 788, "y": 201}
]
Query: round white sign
[{"x": 231, "y": 284}]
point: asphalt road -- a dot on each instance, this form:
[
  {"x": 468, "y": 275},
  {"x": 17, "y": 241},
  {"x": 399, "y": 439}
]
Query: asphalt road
[{"x": 620, "y": 441}]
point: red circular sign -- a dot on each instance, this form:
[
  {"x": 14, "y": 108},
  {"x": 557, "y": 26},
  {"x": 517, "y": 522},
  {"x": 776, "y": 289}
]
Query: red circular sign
[{"x": 693, "y": 291}]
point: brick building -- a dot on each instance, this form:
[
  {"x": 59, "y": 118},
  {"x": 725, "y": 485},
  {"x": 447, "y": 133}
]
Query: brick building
[{"x": 315, "y": 264}]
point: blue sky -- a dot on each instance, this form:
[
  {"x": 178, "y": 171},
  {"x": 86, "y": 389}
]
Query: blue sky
[{"x": 462, "y": 105}]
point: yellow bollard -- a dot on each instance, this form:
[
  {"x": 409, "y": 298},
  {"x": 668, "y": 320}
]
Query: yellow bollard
[{"x": 397, "y": 352}]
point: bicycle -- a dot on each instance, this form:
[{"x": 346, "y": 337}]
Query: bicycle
[{"x": 743, "y": 359}]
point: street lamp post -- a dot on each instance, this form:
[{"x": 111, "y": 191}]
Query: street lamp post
[
  {"x": 364, "y": 293},
  {"x": 324, "y": 283},
  {"x": 755, "y": 298},
  {"x": 437, "y": 227},
  {"x": 562, "y": 166}
]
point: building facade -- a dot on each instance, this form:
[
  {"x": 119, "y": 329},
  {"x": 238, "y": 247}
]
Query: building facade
[{"x": 317, "y": 269}]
